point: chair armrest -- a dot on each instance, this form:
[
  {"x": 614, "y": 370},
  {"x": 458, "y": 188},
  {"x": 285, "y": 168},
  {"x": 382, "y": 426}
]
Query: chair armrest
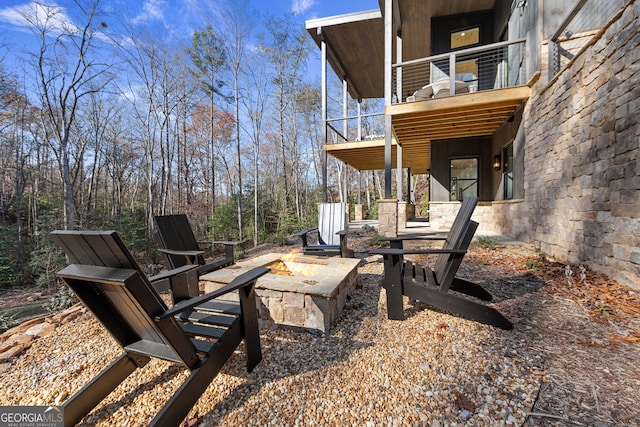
[
  {"x": 305, "y": 232},
  {"x": 229, "y": 247},
  {"x": 97, "y": 273},
  {"x": 303, "y": 235},
  {"x": 396, "y": 251},
  {"x": 172, "y": 273},
  {"x": 397, "y": 242},
  {"x": 182, "y": 281},
  {"x": 413, "y": 237},
  {"x": 178, "y": 252},
  {"x": 218, "y": 242},
  {"x": 241, "y": 281}
]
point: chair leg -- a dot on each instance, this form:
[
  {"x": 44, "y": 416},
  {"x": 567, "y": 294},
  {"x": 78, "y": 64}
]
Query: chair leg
[
  {"x": 177, "y": 408},
  {"x": 228, "y": 254},
  {"x": 458, "y": 305},
  {"x": 89, "y": 396},
  {"x": 392, "y": 283},
  {"x": 250, "y": 326}
]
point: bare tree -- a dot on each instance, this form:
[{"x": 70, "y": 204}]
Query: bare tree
[
  {"x": 209, "y": 58},
  {"x": 256, "y": 101},
  {"x": 287, "y": 51},
  {"x": 238, "y": 23},
  {"x": 154, "y": 92},
  {"x": 67, "y": 71}
]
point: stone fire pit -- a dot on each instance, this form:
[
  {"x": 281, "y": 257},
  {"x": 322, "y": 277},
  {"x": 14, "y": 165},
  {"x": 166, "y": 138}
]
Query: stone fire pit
[{"x": 302, "y": 291}]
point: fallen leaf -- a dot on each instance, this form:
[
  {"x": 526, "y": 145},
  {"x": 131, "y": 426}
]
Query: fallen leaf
[{"x": 463, "y": 402}]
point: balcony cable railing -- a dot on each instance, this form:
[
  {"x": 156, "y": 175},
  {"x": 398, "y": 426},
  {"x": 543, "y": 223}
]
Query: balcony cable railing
[
  {"x": 578, "y": 27},
  {"x": 493, "y": 66}
]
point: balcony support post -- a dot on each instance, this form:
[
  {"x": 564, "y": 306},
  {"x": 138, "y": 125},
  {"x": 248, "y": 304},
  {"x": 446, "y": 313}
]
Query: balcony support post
[
  {"x": 323, "y": 97},
  {"x": 388, "y": 59},
  {"x": 399, "y": 99},
  {"x": 345, "y": 129},
  {"x": 452, "y": 74},
  {"x": 359, "y": 106}
]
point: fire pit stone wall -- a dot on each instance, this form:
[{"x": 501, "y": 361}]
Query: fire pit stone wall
[{"x": 307, "y": 293}]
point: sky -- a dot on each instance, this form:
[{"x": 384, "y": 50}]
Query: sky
[
  {"x": 180, "y": 17},
  {"x": 177, "y": 18}
]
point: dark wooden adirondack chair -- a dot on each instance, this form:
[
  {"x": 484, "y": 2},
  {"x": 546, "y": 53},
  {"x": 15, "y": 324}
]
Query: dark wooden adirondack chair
[
  {"x": 199, "y": 333},
  {"x": 322, "y": 249},
  {"x": 181, "y": 247},
  {"x": 434, "y": 286}
]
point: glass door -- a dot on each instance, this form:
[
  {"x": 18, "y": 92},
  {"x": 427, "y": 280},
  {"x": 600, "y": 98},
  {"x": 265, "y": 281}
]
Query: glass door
[
  {"x": 463, "y": 178},
  {"x": 507, "y": 171}
]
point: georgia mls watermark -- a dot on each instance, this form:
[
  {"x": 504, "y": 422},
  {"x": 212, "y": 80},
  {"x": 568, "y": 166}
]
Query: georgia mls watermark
[{"x": 31, "y": 416}]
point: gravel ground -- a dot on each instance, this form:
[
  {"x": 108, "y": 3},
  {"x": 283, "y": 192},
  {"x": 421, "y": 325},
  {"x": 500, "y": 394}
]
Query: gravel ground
[{"x": 431, "y": 369}]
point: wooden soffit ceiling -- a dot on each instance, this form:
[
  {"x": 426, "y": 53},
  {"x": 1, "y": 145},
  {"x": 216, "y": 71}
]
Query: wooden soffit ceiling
[
  {"x": 416, "y": 124},
  {"x": 369, "y": 155},
  {"x": 355, "y": 50},
  {"x": 460, "y": 116}
]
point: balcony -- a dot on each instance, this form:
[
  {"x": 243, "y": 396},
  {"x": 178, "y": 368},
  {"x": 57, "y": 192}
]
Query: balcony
[{"x": 465, "y": 93}]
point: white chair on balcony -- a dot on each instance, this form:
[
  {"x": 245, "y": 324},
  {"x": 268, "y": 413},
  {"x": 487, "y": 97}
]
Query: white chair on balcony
[{"x": 438, "y": 89}]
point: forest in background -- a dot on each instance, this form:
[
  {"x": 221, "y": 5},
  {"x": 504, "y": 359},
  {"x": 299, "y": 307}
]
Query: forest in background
[{"x": 100, "y": 130}]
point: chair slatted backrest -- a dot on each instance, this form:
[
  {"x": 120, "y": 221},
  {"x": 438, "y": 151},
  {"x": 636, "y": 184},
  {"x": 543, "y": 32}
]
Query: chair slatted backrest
[
  {"x": 443, "y": 266},
  {"x": 447, "y": 273},
  {"x": 332, "y": 218},
  {"x": 176, "y": 233},
  {"x": 108, "y": 280}
]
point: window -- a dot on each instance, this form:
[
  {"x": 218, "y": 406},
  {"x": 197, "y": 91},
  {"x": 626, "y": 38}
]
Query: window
[
  {"x": 507, "y": 171},
  {"x": 464, "y": 38},
  {"x": 464, "y": 178},
  {"x": 467, "y": 71}
]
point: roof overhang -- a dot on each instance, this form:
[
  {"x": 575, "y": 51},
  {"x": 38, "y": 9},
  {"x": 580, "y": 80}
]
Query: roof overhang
[
  {"x": 355, "y": 50},
  {"x": 355, "y": 41}
]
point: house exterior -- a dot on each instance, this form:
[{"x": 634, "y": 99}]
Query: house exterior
[{"x": 532, "y": 105}]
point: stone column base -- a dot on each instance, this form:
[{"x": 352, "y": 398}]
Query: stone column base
[
  {"x": 388, "y": 217},
  {"x": 402, "y": 214}
]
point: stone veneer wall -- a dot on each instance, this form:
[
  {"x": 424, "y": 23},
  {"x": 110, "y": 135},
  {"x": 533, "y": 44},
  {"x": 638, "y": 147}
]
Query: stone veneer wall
[
  {"x": 442, "y": 214},
  {"x": 582, "y": 158}
]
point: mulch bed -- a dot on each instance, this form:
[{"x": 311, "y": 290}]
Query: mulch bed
[{"x": 572, "y": 358}]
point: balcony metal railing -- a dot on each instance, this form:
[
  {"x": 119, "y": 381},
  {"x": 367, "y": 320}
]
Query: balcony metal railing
[
  {"x": 577, "y": 29},
  {"x": 492, "y": 66},
  {"x": 358, "y": 128}
]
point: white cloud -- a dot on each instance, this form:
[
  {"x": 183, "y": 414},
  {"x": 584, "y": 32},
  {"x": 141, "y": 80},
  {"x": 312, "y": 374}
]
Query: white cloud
[
  {"x": 151, "y": 10},
  {"x": 301, "y": 6},
  {"x": 51, "y": 16}
]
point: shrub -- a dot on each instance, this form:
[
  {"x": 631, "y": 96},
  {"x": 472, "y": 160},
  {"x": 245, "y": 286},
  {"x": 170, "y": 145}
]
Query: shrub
[
  {"x": 368, "y": 228},
  {"x": 486, "y": 242},
  {"x": 45, "y": 261},
  {"x": 376, "y": 240},
  {"x": 7, "y": 322},
  {"x": 533, "y": 265},
  {"x": 61, "y": 300}
]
